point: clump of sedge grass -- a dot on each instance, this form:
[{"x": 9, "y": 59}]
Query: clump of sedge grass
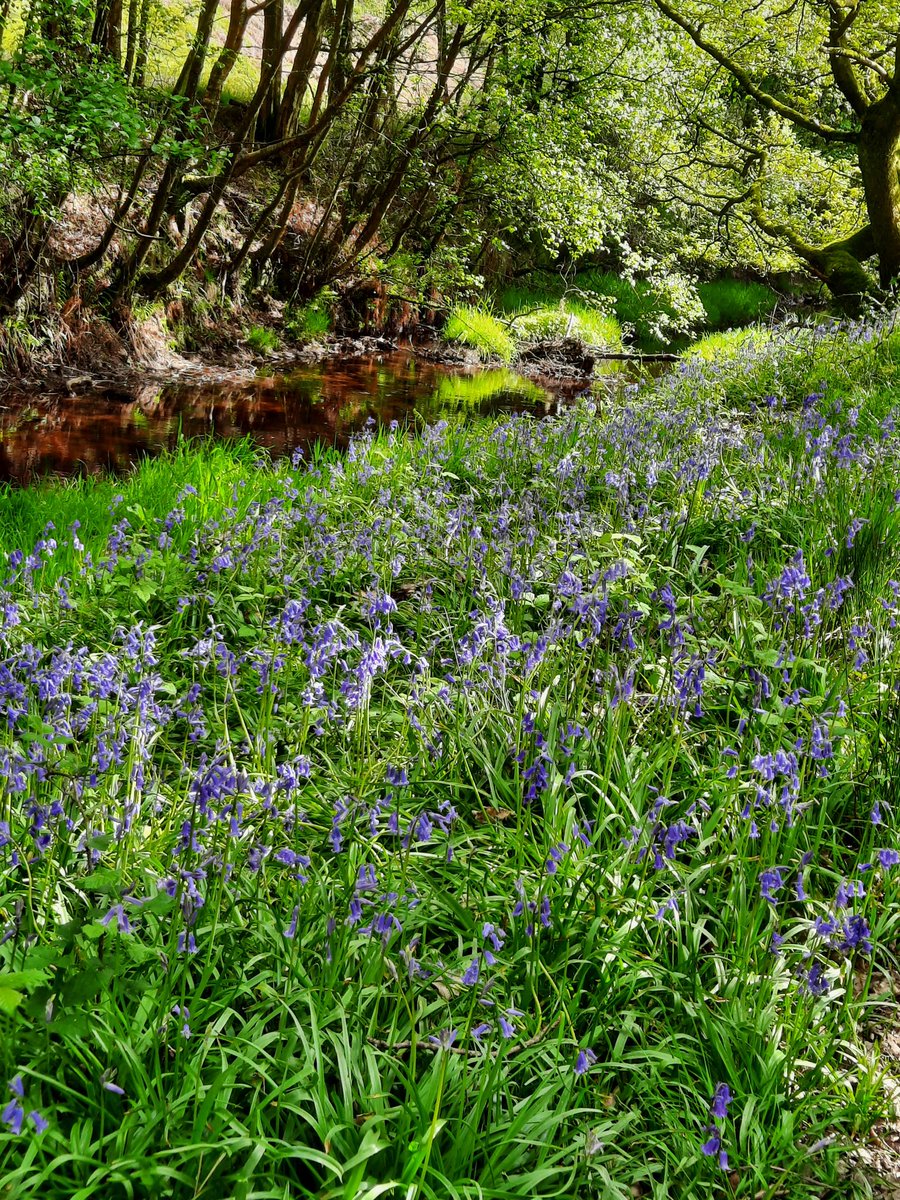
[{"x": 482, "y": 331}]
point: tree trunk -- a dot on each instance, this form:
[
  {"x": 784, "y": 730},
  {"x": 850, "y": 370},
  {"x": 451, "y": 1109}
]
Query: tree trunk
[
  {"x": 185, "y": 91},
  {"x": 131, "y": 37},
  {"x": 342, "y": 45},
  {"x": 21, "y": 258},
  {"x": 4, "y": 17},
  {"x": 272, "y": 54},
  {"x": 300, "y": 74},
  {"x": 156, "y": 282},
  {"x": 222, "y": 67},
  {"x": 107, "y": 33},
  {"x": 143, "y": 45},
  {"x": 879, "y": 164}
]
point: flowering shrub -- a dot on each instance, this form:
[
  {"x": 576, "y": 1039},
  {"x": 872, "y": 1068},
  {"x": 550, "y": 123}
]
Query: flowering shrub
[{"x": 456, "y": 816}]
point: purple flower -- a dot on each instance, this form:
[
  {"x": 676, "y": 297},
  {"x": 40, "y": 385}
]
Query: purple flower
[
  {"x": 712, "y": 1147},
  {"x": 13, "y": 1116},
  {"x": 586, "y": 1058},
  {"x": 856, "y": 935},
  {"x": 117, "y": 912},
  {"x": 721, "y": 1099},
  {"x": 470, "y": 976},
  {"x": 41, "y": 1125},
  {"x": 770, "y": 882},
  {"x": 814, "y": 980},
  {"x": 507, "y": 1027},
  {"x": 444, "y": 1039}
]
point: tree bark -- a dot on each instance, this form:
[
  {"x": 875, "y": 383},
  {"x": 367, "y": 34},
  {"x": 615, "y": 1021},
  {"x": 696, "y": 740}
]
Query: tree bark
[
  {"x": 238, "y": 18},
  {"x": 273, "y": 52},
  {"x": 143, "y": 45},
  {"x": 107, "y": 34},
  {"x": 4, "y": 16},
  {"x": 131, "y": 37},
  {"x": 879, "y": 160},
  {"x": 300, "y": 73},
  {"x": 157, "y": 281}
]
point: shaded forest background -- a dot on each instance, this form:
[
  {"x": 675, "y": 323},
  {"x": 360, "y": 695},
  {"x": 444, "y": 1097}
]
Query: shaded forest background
[{"x": 390, "y": 157}]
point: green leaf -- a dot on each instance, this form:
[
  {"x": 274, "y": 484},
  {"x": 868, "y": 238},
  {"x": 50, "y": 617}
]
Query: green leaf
[
  {"x": 10, "y": 1000},
  {"x": 104, "y": 880},
  {"x": 25, "y": 980}
]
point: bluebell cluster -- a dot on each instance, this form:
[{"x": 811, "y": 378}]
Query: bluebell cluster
[{"x": 321, "y": 703}]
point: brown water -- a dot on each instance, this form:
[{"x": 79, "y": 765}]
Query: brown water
[{"x": 327, "y": 402}]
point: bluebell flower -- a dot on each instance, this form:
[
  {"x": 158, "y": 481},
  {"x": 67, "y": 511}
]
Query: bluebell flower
[
  {"x": 712, "y": 1147},
  {"x": 721, "y": 1099},
  {"x": 470, "y": 975},
  {"x": 771, "y": 881},
  {"x": 13, "y": 1115},
  {"x": 586, "y": 1059},
  {"x": 40, "y": 1123}
]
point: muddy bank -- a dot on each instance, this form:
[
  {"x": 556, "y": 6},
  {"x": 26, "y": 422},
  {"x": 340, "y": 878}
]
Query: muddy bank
[{"x": 82, "y": 351}]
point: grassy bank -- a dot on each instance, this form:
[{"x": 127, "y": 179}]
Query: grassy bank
[
  {"x": 501, "y": 812},
  {"x": 600, "y": 308}
]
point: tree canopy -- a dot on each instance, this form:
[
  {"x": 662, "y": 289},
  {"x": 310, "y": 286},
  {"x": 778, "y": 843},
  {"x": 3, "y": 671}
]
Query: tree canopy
[{"x": 437, "y": 140}]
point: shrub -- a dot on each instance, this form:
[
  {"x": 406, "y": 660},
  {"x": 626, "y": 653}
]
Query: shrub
[
  {"x": 261, "y": 339},
  {"x": 717, "y": 347},
  {"x": 569, "y": 319},
  {"x": 308, "y": 322}
]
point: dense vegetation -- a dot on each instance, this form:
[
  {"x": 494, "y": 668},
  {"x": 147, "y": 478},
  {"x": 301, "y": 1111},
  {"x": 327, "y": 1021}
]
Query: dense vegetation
[
  {"x": 410, "y": 152},
  {"x": 502, "y": 811}
]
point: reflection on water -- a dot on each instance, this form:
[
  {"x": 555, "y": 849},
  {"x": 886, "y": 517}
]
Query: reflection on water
[{"x": 326, "y": 403}]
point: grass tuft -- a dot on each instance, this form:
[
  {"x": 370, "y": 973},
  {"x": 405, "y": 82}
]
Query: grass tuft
[{"x": 482, "y": 331}]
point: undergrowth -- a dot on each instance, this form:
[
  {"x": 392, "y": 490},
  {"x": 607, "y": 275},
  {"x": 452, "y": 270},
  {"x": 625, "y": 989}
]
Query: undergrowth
[
  {"x": 502, "y": 811},
  {"x": 481, "y": 330}
]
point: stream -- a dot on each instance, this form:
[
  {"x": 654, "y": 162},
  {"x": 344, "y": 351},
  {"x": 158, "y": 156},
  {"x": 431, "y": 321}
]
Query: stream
[{"x": 327, "y": 402}]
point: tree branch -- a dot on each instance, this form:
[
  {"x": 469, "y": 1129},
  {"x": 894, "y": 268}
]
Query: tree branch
[{"x": 793, "y": 115}]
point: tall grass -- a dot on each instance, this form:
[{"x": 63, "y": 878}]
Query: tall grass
[
  {"x": 480, "y": 329},
  {"x": 646, "y": 311},
  {"x": 503, "y": 811},
  {"x": 734, "y": 302}
]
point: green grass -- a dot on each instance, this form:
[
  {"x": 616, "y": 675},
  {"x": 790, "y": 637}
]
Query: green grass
[
  {"x": 475, "y": 327},
  {"x": 787, "y": 364},
  {"x": 261, "y": 339},
  {"x": 573, "y": 319},
  {"x": 620, "y": 304},
  {"x": 556, "y": 723},
  {"x": 309, "y": 321},
  {"x": 729, "y": 344},
  {"x": 646, "y": 312},
  {"x": 733, "y": 302}
]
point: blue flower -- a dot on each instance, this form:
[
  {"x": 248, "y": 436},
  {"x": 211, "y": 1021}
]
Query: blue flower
[
  {"x": 586, "y": 1058},
  {"x": 721, "y": 1099},
  {"x": 712, "y": 1147}
]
